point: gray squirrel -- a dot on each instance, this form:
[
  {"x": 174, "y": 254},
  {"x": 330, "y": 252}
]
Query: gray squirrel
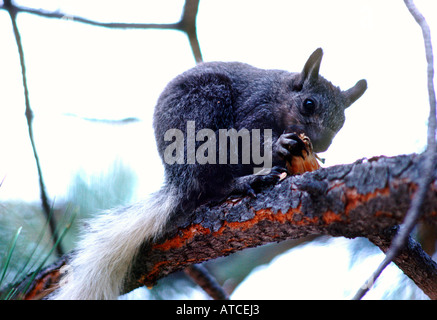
[{"x": 216, "y": 96}]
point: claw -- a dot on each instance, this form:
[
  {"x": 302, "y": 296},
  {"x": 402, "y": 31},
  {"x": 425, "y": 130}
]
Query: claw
[
  {"x": 282, "y": 176},
  {"x": 295, "y": 145},
  {"x": 251, "y": 193}
]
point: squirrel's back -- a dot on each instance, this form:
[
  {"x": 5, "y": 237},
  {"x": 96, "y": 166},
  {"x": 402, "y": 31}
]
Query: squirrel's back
[{"x": 214, "y": 96}]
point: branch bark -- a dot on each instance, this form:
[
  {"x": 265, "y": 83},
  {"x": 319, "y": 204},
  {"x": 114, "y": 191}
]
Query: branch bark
[{"x": 365, "y": 199}]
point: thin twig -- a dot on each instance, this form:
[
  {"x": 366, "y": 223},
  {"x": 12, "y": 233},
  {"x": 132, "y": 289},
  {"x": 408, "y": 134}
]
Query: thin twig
[
  {"x": 113, "y": 25},
  {"x": 187, "y": 23},
  {"x": 206, "y": 281},
  {"x": 414, "y": 212},
  {"x": 29, "y": 117}
]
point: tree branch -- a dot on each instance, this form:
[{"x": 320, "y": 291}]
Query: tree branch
[
  {"x": 29, "y": 117},
  {"x": 363, "y": 199},
  {"x": 428, "y": 168},
  {"x": 112, "y": 25},
  {"x": 412, "y": 260},
  {"x": 187, "y": 23},
  {"x": 206, "y": 281}
]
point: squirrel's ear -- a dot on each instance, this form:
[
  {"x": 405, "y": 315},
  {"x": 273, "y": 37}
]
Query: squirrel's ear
[
  {"x": 311, "y": 69},
  {"x": 355, "y": 92}
]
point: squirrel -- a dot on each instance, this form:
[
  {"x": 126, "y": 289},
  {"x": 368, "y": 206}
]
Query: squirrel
[{"x": 215, "y": 96}]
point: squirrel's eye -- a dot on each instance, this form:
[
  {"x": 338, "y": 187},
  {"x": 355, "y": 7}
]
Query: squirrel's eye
[{"x": 309, "y": 105}]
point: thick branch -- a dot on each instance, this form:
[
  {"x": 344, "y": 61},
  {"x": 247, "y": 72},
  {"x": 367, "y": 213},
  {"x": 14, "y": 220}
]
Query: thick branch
[
  {"x": 363, "y": 199},
  {"x": 360, "y": 199},
  {"x": 412, "y": 260}
]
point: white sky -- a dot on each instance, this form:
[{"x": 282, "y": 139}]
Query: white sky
[{"x": 101, "y": 73}]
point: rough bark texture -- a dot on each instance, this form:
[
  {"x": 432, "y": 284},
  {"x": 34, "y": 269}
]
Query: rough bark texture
[
  {"x": 360, "y": 199},
  {"x": 413, "y": 261},
  {"x": 365, "y": 199}
]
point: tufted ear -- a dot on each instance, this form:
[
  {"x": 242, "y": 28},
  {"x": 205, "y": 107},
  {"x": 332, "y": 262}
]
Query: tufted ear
[
  {"x": 311, "y": 69},
  {"x": 355, "y": 92}
]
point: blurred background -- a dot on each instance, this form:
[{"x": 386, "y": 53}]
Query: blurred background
[{"x": 93, "y": 89}]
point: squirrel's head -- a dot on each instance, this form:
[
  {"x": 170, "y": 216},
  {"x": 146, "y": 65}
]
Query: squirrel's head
[{"x": 315, "y": 105}]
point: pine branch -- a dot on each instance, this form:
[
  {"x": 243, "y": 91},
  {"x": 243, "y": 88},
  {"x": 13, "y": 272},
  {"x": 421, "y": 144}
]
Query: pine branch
[{"x": 365, "y": 199}]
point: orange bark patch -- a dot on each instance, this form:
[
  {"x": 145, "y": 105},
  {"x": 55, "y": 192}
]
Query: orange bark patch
[
  {"x": 44, "y": 286},
  {"x": 354, "y": 199},
  {"x": 330, "y": 217},
  {"x": 181, "y": 240},
  {"x": 261, "y": 215}
]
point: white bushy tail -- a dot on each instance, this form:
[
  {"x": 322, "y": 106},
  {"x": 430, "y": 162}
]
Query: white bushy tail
[{"x": 109, "y": 244}]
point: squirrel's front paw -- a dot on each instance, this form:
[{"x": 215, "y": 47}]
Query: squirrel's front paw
[
  {"x": 295, "y": 147},
  {"x": 288, "y": 145},
  {"x": 248, "y": 185}
]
